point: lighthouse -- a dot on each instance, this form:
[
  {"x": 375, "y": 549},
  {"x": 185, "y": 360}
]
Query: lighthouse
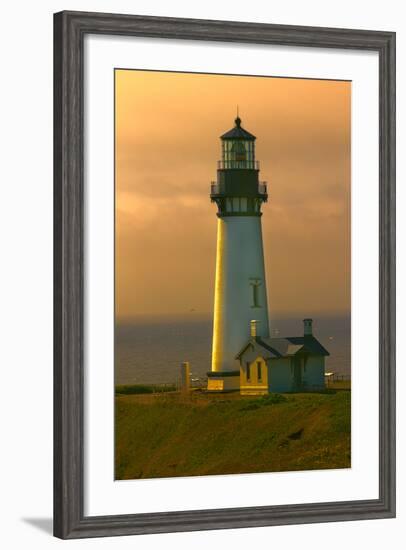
[{"x": 240, "y": 302}]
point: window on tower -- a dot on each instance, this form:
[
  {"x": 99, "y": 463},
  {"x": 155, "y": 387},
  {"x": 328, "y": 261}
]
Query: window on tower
[
  {"x": 255, "y": 295},
  {"x": 255, "y": 284},
  {"x": 238, "y": 151}
]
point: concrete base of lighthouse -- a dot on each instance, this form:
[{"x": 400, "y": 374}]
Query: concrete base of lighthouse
[{"x": 226, "y": 381}]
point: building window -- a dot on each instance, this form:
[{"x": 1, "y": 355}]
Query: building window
[
  {"x": 248, "y": 371},
  {"x": 259, "y": 370}
]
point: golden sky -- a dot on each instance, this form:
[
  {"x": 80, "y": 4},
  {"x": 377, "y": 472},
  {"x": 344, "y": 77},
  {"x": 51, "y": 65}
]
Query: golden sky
[{"x": 167, "y": 146}]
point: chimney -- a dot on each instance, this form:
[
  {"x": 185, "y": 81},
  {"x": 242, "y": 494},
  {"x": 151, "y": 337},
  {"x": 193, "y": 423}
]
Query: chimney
[
  {"x": 254, "y": 328},
  {"x": 307, "y": 327}
]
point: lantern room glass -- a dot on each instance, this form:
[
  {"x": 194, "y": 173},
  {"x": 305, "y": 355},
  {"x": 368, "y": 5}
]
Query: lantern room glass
[{"x": 238, "y": 153}]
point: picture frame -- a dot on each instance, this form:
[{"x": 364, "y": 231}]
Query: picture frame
[{"x": 70, "y": 28}]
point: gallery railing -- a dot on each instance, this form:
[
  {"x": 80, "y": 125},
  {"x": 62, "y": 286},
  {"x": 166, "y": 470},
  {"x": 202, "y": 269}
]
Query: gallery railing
[
  {"x": 216, "y": 189},
  {"x": 238, "y": 164}
]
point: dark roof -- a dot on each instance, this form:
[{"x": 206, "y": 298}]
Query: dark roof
[
  {"x": 309, "y": 343},
  {"x": 238, "y": 132},
  {"x": 286, "y": 347}
]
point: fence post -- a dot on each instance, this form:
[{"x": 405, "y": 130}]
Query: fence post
[{"x": 185, "y": 377}]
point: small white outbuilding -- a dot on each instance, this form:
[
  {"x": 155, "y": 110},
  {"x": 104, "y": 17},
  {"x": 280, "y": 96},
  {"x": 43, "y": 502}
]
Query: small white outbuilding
[{"x": 294, "y": 363}]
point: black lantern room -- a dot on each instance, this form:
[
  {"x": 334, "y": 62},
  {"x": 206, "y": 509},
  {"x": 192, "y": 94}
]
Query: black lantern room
[
  {"x": 238, "y": 191},
  {"x": 238, "y": 148}
]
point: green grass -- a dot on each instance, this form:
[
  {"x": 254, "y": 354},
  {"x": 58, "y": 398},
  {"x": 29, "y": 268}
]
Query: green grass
[
  {"x": 340, "y": 384},
  {"x": 165, "y": 435},
  {"x": 131, "y": 389}
]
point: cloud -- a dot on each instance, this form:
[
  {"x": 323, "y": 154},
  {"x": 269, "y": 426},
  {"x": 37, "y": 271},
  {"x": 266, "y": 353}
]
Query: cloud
[{"x": 167, "y": 146}]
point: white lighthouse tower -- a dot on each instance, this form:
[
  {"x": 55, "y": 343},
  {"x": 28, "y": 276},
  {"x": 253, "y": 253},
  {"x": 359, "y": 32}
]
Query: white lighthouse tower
[{"x": 240, "y": 287}]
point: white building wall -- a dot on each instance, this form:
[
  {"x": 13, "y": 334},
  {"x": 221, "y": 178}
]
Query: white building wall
[
  {"x": 280, "y": 377},
  {"x": 314, "y": 372},
  {"x": 240, "y": 261}
]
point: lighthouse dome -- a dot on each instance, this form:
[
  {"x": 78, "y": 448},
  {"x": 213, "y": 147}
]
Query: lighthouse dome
[{"x": 238, "y": 132}]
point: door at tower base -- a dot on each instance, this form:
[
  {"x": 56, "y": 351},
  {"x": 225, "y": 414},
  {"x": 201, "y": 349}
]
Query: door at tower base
[{"x": 223, "y": 381}]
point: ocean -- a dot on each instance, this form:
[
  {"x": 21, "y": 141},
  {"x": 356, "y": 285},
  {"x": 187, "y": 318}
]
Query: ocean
[{"x": 150, "y": 349}]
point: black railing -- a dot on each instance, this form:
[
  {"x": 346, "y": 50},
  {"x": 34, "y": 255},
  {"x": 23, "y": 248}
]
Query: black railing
[
  {"x": 238, "y": 164},
  {"x": 216, "y": 189},
  {"x": 262, "y": 188}
]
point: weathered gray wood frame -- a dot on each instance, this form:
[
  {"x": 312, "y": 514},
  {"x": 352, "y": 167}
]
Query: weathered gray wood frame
[{"x": 70, "y": 29}]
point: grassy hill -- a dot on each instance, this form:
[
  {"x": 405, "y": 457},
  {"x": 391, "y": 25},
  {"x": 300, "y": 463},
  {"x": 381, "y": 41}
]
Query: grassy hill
[{"x": 165, "y": 435}]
